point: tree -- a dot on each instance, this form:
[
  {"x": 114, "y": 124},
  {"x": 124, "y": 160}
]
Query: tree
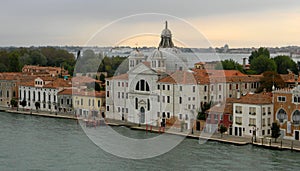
[
  {"x": 260, "y": 52},
  {"x": 37, "y": 105},
  {"x": 285, "y": 63},
  {"x": 14, "y": 62},
  {"x": 262, "y": 63},
  {"x": 269, "y": 79},
  {"x": 229, "y": 64},
  {"x": 275, "y": 130},
  {"x": 204, "y": 107},
  {"x": 14, "y": 102},
  {"x": 38, "y": 58},
  {"x": 23, "y": 103},
  {"x": 3, "y": 67},
  {"x": 222, "y": 129},
  {"x": 102, "y": 78}
]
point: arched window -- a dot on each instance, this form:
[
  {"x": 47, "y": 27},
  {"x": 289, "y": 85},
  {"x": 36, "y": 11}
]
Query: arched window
[
  {"x": 296, "y": 117},
  {"x": 281, "y": 115},
  {"x": 24, "y": 95},
  {"x": 142, "y": 85}
]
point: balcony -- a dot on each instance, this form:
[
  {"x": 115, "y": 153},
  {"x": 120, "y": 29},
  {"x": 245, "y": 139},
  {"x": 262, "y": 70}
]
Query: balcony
[
  {"x": 252, "y": 125},
  {"x": 252, "y": 113}
]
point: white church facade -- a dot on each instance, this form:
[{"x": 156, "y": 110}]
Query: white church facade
[{"x": 162, "y": 88}]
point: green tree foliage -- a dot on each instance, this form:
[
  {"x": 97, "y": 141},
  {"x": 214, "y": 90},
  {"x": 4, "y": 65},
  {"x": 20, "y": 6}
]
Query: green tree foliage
[
  {"x": 14, "y": 102},
  {"x": 37, "y": 58},
  {"x": 229, "y": 64},
  {"x": 285, "y": 63},
  {"x": 14, "y": 62},
  {"x": 275, "y": 131},
  {"x": 102, "y": 78},
  {"x": 204, "y": 107},
  {"x": 268, "y": 79},
  {"x": 37, "y": 105},
  {"x": 23, "y": 103},
  {"x": 222, "y": 130},
  {"x": 260, "y": 52},
  {"x": 13, "y": 59},
  {"x": 262, "y": 63}
]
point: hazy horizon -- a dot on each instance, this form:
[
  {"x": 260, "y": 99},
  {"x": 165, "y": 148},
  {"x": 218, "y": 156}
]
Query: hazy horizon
[{"x": 239, "y": 24}]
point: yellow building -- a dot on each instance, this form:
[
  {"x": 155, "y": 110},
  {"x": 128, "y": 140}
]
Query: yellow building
[{"x": 89, "y": 104}]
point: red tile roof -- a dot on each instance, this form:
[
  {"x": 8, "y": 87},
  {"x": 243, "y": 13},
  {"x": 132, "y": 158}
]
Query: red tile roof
[
  {"x": 119, "y": 77},
  {"x": 259, "y": 98},
  {"x": 83, "y": 79},
  {"x": 180, "y": 77}
]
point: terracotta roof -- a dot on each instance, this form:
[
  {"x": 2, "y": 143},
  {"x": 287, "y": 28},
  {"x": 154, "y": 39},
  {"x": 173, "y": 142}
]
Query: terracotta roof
[
  {"x": 146, "y": 63},
  {"x": 83, "y": 79},
  {"x": 260, "y": 98},
  {"x": 58, "y": 83},
  {"x": 66, "y": 92},
  {"x": 10, "y": 75},
  {"x": 100, "y": 94},
  {"x": 119, "y": 77},
  {"x": 200, "y": 63},
  {"x": 180, "y": 77},
  {"x": 222, "y": 108}
]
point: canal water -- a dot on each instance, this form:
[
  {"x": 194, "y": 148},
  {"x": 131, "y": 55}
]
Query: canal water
[{"x": 38, "y": 143}]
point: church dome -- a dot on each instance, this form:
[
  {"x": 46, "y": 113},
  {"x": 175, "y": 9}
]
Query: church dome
[
  {"x": 156, "y": 54},
  {"x": 166, "y": 33}
]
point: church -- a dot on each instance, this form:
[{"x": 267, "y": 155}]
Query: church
[
  {"x": 156, "y": 89},
  {"x": 163, "y": 90}
]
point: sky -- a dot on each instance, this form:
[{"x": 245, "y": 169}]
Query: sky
[{"x": 194, "y": 23}]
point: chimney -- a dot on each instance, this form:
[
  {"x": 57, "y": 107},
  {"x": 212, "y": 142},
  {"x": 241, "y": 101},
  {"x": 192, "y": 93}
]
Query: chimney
[{"x": 244, "y": 63}]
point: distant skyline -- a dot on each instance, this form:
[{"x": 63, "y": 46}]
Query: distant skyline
[{"x": 246, "y": 23}]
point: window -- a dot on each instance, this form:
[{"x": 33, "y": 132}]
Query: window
[
  {"x": 180, "y": 100},
  {"x": 163, "y": 99},
  {"x": 220, "y": 96},
  {"x": 238, "y": 120},
  {"x": 119, "y": 109},
  {"x": 281, "y": 99},
  {"x": 122, "y": 95},
  {"x": 107, "y": 108},
  {"x": 89, "y": 102},
  {"x": 107, "y": 83},
  {"x": 186, "y": 117},
  {"x": 148, "y": 104},
  {"x": 81, "y": 102},
  {"x": 281, "y": 115},
  {"x": 158, "y": 98},
  {"x": 264, "y": 111},
  {"x": 168, "y": 99},
  {"x": 158, "y": 114},
  {"x": 118, "y": 95},
  {"x": 180, "y": 116},
  {"x": 230, "y": 86},
  {"x": 246, "y": 85},
  {"x": 194, "y": 89},
  {"x": 122, "y": 84},
  {"x": 61, "y": 101},
  {"x": 126, "y": 95},
  {"x": 142, "y": 85},
  {"x": 168, "y": 87},
  {"x": 269, "y": 110},
  {"x": 194, "y": 98},
  {"x": 164, "y": 115},
  {"x": 237, "y": 86},
  {"x": 189, "y": 98},
  {"x": 180, "y": 88},
  {"x": 252, "y": 122},
  {"x": 163, "y": 87},
  {"x": 296, "y": 99},
  {"x": 252, "y": 111},
  {"x": 118, "y": 84},
  {"x": 220, "y": 87},
  {"x": 136, "y": 103},
  {"x": 205, "y": 88},
  {"x": 212, "y": 87},
  {"x": 126, "y": 110},
  {"x": 98, "y": 103},
  {"x": 296, "y": 117},
  {"x": 158, "y": 86},
  {"x": 168, "y": 115},
  {"x": 269, "y": 121},
  {"x": 263, "y": 122},
  {"x": 107, "y": 93}
]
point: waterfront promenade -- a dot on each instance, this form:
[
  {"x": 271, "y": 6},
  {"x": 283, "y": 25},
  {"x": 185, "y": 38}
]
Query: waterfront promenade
[{"x": 266, "y": 142}]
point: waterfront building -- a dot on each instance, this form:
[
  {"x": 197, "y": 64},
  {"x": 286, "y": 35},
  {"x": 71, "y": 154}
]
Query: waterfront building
[
  {"x": 160, "y": 88},
  {"x": 287, "y": 112},
  {"x": 220, "y": 114},
  {"x": 9, "y": 88},
  {"x": 65, "y": 104},
  {"x": 42, "y": 92},
  {"x": 88, "y": 104},
  {"x": 252, "y": 115}
]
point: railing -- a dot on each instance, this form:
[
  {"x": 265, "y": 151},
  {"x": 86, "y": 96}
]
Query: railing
[{"x": 238, "y": 123}]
